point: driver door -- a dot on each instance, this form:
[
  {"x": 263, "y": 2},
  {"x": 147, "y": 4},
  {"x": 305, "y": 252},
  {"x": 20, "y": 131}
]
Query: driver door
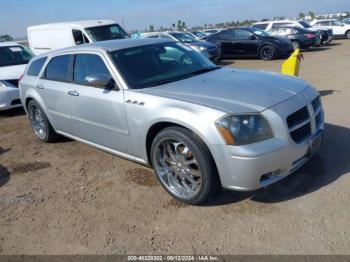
[
  {"x": 98, "y": 114},
  {"x": 246, "y": 42}
]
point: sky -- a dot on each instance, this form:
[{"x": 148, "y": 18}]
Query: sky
[{"x": 17, "y": 15}]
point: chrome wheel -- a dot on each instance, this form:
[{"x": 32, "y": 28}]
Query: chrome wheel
[
  {"x": 177, "y": 168},
  {"x": 38, "y": 121}
]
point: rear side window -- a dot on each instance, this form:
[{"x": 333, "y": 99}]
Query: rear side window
[
  {"x": 278, "y": 25},
  {"x": 261, "y": 26},
  {"x": 87, "y": 64},
  {"x": 58, "y": 68},
  {"x": 35, "y": 67}
]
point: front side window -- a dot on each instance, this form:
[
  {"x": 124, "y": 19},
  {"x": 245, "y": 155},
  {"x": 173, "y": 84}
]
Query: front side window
[
  {"x": 106, "y": 32},
  {"x": 336, "y": 23},
  {"x": 157, "y": 64},
  {"x": 14, "y": 55},
  {"x": 35, "y": 67},
  {"x": 58, "y": 68},
  {"x": 88, "y": 64},
  {"x": 243, "y": 34},
  {"x": 79, "y": 37}
]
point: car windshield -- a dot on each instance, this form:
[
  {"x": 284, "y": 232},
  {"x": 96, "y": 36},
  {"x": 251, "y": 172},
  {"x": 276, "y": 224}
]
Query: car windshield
[
  {"x": 157, "y": 64},
  {"x": 259, "y": 32},
  {"x": 14, "y": 55},
  {"x": 305, "y": 24},
  {"x": 184, "y": 38},
  {"x": 106, "y": 32}
]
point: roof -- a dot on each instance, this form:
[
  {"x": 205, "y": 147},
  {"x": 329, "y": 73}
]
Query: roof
[
  {"x": 87, "y": 23},
  {"x": 113, "y": 45},
  {"x": 8, "y": 44},
  {"x": 328, "y": 19}
]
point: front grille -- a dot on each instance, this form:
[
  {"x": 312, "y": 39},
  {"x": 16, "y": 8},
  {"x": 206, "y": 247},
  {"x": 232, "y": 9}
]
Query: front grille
[
  {"x": 301, "y": 122},
  {"x": 298, "y": 117},
  {"x": 301, "y": 134}
]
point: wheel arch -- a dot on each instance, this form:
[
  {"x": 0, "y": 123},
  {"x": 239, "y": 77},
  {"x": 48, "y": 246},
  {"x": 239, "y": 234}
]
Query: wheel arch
[{"x": 157, "y": 127}]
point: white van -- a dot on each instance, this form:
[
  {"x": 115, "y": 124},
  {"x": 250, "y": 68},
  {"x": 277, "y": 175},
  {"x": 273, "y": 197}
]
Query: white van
[{"x": 48, "y": 37}]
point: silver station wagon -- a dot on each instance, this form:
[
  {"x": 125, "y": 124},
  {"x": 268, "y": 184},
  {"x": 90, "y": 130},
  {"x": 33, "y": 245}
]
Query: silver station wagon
[{"x": 160, "y": 103}]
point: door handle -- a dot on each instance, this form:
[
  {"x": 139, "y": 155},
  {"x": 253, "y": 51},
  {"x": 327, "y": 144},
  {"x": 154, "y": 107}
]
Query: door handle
[
  {"x": 40, "y": 86},
  {"x": 73, "y": 93}
]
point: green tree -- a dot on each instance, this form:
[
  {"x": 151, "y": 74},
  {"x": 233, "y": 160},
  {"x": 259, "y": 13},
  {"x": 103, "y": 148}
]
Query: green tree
[
  {"x": 5, "y": 38},
  {"x": 312, "y": 15},
  {"x": 301, "y": 15},
  {"x": 151, "y": 28}
]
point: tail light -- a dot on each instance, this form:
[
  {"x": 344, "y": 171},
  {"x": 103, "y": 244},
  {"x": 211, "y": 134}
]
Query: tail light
[{"x": 310, "y": 35}]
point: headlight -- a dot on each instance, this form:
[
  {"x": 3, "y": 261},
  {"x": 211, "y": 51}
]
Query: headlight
[
  {"x": 244, "y": 129},
  {"x": 198, "y": 48}
]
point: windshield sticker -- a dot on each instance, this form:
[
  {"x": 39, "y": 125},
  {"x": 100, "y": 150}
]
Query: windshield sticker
[
  {"x": 184, "y": 46},
  {"x": 16, "y": 49}
]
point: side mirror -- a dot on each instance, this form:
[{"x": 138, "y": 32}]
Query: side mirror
[
  {"x": 100, "y": 80},
  {"x": 252, "y": 37}
]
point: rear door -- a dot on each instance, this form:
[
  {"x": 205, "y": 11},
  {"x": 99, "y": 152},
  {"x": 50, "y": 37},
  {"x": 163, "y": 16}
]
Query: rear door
[
  {"x": 98, "y": 115},
  {"x": 226, "y": 39},
  {"x": 53, "y": 87}
]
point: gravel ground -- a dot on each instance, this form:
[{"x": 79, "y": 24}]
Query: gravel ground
[{"x": 69, "y": 198}]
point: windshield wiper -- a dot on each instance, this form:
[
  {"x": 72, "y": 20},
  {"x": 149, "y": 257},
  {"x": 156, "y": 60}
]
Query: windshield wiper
[{"x": 204, "y": 70}]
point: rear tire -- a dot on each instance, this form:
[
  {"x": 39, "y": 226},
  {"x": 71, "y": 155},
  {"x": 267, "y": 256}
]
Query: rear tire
[
  {"x": 40, "y": 123},
  {"x": 267, "y": 52},
  {"x": 184, "y": 165}
]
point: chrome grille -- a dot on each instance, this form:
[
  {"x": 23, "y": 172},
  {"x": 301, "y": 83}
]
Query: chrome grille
[
  {"x": 298, "y": 117},
  {"x": 302, "y": 123}
]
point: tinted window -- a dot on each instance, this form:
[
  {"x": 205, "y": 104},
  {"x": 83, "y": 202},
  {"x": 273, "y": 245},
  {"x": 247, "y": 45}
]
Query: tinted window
[
  {"x": 57, "y": 69},
  {"x": 79, "y": 37},
  {"x": 261, "y": 26},
  {"x": 227, "y": 34},
  {"x": 87, "y": 64},
  {"x": 35, "y": 67},
  {"x": 152, "y": 65},
  {"x": 165, "y": 37},
  {"x": 153, "y": 36},
  {"x": 242, "y": 34},
  {"x": 106, "y": 32},
  {"x": 323, "y": 23},
  {"x": 14, "y": 55}
]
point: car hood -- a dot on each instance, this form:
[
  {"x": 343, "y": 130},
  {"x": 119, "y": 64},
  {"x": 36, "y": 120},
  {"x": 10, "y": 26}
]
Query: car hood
[
  {"x": 232, "y": 90},
  {"x": 11, "y": 72},
  {"x": 202, "y": 44}
]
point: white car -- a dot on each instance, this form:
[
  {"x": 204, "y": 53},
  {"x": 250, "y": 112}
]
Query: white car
[
  {"x": 325, "y": 33},
  {"x": 49, "y": 37},
  {"x": 340, "y": 29},
  {"x": 13, "y": 61}
]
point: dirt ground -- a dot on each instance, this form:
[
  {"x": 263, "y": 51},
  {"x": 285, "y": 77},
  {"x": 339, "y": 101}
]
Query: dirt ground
[{"x": 69, "y": 198}]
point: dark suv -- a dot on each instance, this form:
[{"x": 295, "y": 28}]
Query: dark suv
[{"x": 251, "y": 42}]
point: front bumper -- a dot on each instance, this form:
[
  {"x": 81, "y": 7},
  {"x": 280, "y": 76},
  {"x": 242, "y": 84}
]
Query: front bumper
[
  {"x": 250, "y": 167},
  {"x": 212, "y": 54},
  {"x": 9, "y": 98}
]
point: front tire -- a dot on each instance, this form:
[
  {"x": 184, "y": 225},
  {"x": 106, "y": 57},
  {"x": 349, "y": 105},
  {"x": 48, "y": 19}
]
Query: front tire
[
  {"x": 184, "y": 165},
  {"x": 267, "y": 52},
  {"x": 347, "y": 34},
  {"x": 40, "y": 123}
]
